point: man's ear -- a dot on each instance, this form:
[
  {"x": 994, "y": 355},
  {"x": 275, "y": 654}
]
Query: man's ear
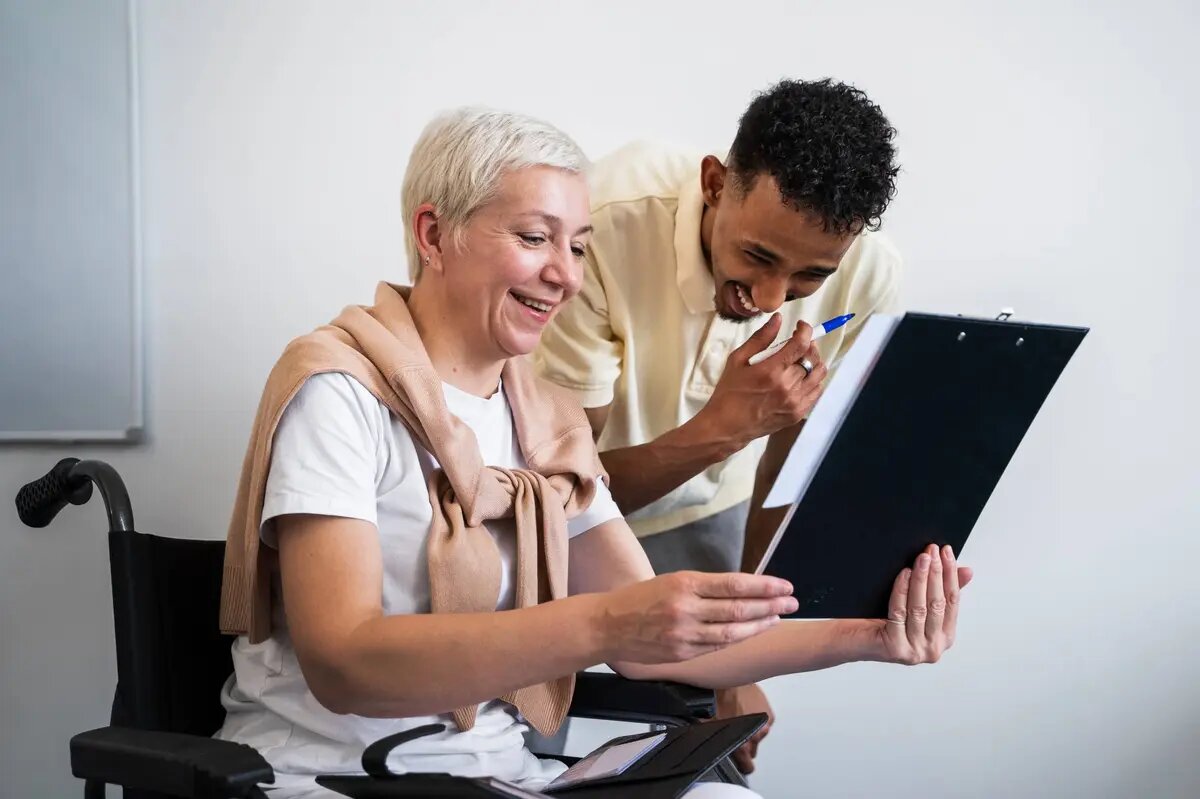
[
  {"x": 712, "y": 180},
  {"x": 428, "y": 232}
]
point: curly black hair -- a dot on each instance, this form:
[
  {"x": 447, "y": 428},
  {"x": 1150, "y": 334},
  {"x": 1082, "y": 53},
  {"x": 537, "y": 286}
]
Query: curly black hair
[{"x": 828, "y": 147}]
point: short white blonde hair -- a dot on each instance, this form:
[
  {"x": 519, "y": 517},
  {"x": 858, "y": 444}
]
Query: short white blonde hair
[{"x": 460, "y": 157}]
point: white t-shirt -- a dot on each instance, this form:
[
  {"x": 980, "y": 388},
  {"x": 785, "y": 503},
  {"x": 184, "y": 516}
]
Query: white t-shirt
[{"x": 339, "y": 452}]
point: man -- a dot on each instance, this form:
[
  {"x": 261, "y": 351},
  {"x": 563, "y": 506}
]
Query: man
[{"x": 697, "y": 264}]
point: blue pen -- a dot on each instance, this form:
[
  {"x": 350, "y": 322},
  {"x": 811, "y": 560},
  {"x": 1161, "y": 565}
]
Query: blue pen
[{"x": 818, "y": 331}]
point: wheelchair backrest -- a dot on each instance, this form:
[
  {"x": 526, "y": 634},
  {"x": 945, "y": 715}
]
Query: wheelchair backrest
[{"x": 171, "y": 657}]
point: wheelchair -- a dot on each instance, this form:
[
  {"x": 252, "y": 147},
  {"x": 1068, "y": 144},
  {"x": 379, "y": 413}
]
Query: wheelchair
[{"x": 172, "y": 662}]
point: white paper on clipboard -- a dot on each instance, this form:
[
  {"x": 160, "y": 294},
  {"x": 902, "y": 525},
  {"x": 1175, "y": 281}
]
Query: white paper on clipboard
[{"x": 822, "y": 426}]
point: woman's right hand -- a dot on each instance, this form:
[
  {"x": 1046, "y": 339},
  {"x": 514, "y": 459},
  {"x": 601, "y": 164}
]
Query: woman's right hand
[{"x": 681, "y": 615}]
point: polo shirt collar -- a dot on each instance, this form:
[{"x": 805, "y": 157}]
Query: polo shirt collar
[{"x": 692, "y": 273}]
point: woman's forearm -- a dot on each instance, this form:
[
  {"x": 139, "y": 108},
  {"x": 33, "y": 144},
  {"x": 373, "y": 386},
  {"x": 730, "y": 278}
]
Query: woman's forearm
[
  {"x": 423, "y": 664},
  {"x": 788, "y": 648}
]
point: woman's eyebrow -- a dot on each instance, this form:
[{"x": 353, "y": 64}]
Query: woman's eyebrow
[{"x": 555, "y": 222}]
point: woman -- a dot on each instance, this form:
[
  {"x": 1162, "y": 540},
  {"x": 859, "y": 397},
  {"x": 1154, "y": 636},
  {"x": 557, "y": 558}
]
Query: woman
[{"x": 436, "y": 528}]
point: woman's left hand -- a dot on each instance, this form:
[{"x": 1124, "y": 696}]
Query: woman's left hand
[{"x": 923, "y": 609}]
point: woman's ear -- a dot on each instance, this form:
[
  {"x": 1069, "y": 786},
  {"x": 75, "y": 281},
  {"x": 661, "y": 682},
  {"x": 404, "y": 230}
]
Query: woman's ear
[{"x": 428, "y": 231}]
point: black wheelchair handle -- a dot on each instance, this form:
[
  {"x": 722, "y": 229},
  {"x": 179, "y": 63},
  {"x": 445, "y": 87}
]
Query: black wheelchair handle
[
  {"x": 71, "y": 481},
  {"x": 40, "y": 501}
]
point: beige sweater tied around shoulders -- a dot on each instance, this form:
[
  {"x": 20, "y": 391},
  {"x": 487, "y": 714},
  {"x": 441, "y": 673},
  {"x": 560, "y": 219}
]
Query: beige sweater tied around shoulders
[{"x": 379, "y": 346}]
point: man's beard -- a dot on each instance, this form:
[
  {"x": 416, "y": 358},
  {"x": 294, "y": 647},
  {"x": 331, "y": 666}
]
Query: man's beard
[{"x": 721, "y": 302}]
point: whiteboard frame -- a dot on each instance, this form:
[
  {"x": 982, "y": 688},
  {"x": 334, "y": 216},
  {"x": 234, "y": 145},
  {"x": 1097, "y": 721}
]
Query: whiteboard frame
[{"x": 135, "y": 431}]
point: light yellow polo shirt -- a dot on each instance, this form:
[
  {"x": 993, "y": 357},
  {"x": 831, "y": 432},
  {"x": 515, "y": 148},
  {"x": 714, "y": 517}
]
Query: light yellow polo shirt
[{"x": 643, "y": 334}]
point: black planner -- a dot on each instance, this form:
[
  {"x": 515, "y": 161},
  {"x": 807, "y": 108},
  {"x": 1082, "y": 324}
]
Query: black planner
[
  {"x": 938, "y": 414},
  {"x": 665, "y": 772}
]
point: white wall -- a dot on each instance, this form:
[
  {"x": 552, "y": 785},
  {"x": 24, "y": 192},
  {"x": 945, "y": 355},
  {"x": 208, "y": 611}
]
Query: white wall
[{"x": 1048, "y": 164}]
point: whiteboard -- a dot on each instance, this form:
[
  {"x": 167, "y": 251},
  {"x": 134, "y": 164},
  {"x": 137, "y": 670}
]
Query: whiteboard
[{"x": 71, "y": 359}]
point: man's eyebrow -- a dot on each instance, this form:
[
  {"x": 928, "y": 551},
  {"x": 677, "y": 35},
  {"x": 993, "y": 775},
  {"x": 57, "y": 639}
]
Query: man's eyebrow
[
  {"x": 762, "y": 252},
  {"x": 823, "y": 271},
  {"x": 770, "y": 256}
]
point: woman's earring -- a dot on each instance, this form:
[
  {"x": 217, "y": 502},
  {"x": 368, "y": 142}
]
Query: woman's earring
[{"x": 427, "y": 260}]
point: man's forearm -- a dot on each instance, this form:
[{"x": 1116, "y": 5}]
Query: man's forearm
[
  {"x": 788, "y": 648},
  {"x": 642, "y": 474}
]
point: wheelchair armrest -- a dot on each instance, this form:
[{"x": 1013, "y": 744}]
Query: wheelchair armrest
[
  {"x": 599, "y": 695},
  {"x": 172, "y": 763}
]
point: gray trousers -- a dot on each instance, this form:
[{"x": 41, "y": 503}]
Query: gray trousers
[{"x": 711, "y": 544}]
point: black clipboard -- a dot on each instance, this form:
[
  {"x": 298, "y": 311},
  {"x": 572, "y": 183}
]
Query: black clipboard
[{"x": 919, "y": 452}]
